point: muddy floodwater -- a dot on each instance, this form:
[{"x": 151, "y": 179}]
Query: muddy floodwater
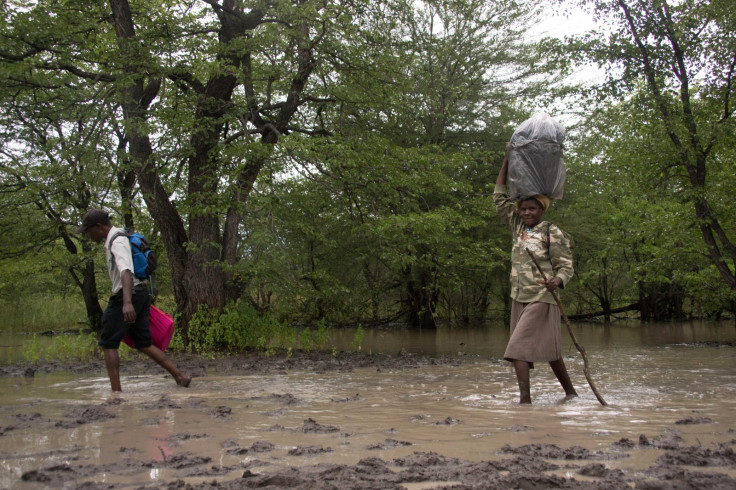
[{"x": 411, "y": 410}]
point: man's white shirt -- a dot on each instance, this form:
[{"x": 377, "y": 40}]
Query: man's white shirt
[{"x": 120, "y": 260}]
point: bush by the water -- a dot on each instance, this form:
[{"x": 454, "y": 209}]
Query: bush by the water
[{"x": 240, "y": 327}]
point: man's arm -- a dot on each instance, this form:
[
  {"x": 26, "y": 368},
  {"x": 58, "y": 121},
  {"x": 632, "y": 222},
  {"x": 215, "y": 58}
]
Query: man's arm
[
  {"x": 123, "y": 262},
  {"x": 126, "y": 277}
]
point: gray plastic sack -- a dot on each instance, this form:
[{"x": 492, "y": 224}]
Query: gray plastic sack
[{"x": 535, "y": 159}]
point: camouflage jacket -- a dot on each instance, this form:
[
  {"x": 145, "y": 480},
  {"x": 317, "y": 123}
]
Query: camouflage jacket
[{"x": 554, "y": 256}]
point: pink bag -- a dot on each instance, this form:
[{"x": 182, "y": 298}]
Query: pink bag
[{"x": 162, "y": 329}]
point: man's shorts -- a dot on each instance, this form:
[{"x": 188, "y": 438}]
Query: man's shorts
[{"x": 114, "y": 327}]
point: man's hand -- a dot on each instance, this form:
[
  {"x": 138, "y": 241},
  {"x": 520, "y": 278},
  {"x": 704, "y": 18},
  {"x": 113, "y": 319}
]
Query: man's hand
[{"x": 128, "y": 313}]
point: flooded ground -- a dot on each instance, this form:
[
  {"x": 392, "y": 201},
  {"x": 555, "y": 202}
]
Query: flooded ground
[{"x": 412, "y": 410}]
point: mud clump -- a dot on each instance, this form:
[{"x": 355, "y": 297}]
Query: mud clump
[
  {"x": 531, "y": 466},
  {"x": 355, "y": 398},
  {"x": 312, "y": 426},
  {"x": 309, "y": 450},
  {"x": 698, "y": 456},
  {"x": 549, "y": 451},
  {"x": 22, "y": 421},
  {"x": 518, "y": 428},
  {"x": 388, "y": 444},
  {"x": 163, "y": 402},
  {"x": 186, "y": 436},
  {"x": 262, "y": 447},
  {"x": 694, "y": 420},
  {"x": 187, "y": 460},
  {"x": 84, "y": 415},
  {"x": 52, "y": 474},
  {"x": 222, "y": 412}
]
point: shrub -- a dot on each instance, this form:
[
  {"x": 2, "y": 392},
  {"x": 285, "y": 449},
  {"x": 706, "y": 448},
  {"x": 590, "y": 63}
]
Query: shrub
[{"x": 238, "y": 327}]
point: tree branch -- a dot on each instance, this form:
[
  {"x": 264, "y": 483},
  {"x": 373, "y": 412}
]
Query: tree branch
[{"x": 96, "y": 77}]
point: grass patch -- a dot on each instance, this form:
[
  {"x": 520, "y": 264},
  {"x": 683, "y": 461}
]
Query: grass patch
[
  {"x": 66, "y": 347},
  {"x": 238, "y": 328},
  {"x": 41, "y": 313}
]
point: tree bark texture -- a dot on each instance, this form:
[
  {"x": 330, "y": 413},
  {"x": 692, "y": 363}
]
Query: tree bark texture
[{"x": 91, "y": 298}]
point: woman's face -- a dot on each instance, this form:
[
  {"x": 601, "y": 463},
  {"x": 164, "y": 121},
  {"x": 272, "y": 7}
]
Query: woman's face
[{"x": 531, "y": 212}]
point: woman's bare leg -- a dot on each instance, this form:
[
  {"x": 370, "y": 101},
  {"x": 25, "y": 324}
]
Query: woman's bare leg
[
  {"x": 558, "y": 367},
  {"x": 522, "y": 376}
]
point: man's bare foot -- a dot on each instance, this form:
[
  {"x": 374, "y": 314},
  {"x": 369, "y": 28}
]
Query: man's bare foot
[{"x": 184, "y": 382}]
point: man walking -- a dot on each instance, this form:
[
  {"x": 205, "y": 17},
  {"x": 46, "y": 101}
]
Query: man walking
[{"x": 129, "y": 306}]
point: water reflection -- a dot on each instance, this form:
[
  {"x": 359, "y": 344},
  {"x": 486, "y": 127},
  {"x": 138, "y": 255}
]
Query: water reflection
[{"x": 491, "y": 340}]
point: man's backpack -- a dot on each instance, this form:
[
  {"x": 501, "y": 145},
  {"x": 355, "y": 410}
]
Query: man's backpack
[{"x": 144, "y": 259}]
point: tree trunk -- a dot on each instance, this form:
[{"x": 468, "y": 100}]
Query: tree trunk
[
  {"x": 421, "y": 298},
  {"x": 622, "y": 309},
  {"x": 660, "y": 301},
  {"x": 481, "y": 306},
  {"x": 88, "y": 283},
  {"x": 91, "y": 298},
  {"x": 606, "y": 307},
  {"x": 372, "y": 282},
  {"x": 126, "y": 184}
]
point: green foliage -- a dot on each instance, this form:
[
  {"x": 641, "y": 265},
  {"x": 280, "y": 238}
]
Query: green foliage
[
  {"x": 315, "y": 339},
  {"x": 188, "y": 115},
  {"x": 42, "y": 312},
  {"x": 357, "y": 343},
  {"x": 239, "y": 327},
  {"x": 79, "y": 347},
  {"x": 628, "y": 206},
  {"x": 321, "y": 336},
  {"x": 342, "y": 244},
  {"x": 333, "y": 162},
  {"x": 388, "y": 216},
  {"x": 666, "y": 130}
]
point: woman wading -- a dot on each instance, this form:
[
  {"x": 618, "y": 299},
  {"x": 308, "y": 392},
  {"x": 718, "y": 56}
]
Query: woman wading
[{"x": 535, "y": 317}]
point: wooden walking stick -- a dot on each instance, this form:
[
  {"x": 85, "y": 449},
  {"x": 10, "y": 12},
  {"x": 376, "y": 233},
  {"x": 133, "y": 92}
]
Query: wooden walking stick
[{"x": 580, "y": 348}]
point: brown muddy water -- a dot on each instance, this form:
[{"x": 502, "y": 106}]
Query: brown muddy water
[{"x": 413, "y": 410}]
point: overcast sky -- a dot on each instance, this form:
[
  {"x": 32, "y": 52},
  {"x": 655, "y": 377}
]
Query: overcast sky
[{"x": 574, "y": 21}]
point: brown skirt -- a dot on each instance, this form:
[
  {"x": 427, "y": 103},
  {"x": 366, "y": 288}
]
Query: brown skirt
[{"x": 535, "y": 333}]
